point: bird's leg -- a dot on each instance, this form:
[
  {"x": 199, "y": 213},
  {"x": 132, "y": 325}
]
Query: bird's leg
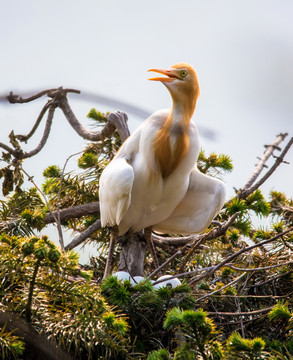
[
  {"x": 148, "y": 237},
  {"x": 113, "y": 237}
]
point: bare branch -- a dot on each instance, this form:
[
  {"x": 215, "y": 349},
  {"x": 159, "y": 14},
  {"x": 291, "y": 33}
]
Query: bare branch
[
  {"x": 39, "y": 119},
  {"x": 84, "y": 235},
  {"x": 233, "y": 256},
  {"x": 106, "y": 132},
  {"x": 74, "y": 212},
  {"x": 262, "y": 161},
  {"x": 243, "y": 193},
  {"x": 270, "y": 280},
  {"x": 45, "y": 135},
  {"x": 245, "y": 313},
  {"x": 260, "y": 268},
  {"x": 16, "y": 99},
  {"x": 222, "y": 288}
]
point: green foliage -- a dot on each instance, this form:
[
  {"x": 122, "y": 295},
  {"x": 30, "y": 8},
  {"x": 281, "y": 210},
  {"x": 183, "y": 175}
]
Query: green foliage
[
  {"x": 198, "y": 331},
  {"x": 245, "y": 348},
  {"x": 146, "y": 307},
  {"x": 214, "y": 164},
  {"x": 52, "y": 171},
  {"x": 280, "y": 312},
  {"x": 36, "y": 280},
  {"x": 11, "y": 346}
]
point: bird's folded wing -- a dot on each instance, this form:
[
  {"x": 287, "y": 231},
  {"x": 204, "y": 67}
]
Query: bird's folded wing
[
  {"x": 203, "y": 201},
  {"x": 115, "y": 191}
]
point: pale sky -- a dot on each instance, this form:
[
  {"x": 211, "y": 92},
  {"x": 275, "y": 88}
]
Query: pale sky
[{"x": 242, "y": 51}]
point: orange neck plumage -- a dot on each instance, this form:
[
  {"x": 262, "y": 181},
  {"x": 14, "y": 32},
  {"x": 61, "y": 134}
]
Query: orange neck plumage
[{"x": 172, "y": 142}]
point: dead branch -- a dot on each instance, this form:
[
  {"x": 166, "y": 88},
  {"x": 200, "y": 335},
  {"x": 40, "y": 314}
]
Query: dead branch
[
  {"x": 74, "y": 212},
  {"x": 45, "y": 135},
  {"x": 260, "y": 268},
  {"x": 245, "y": 313},
  {"x": 24, "y": 138},
  {"x": 84, "y": 235},
  {"x": 233, "y": 256},
  {"x": 243, "y": 193},
  {"x": 16, "y": 99},
  {"x": 270, "y": 280},
  {"x": 262, "y": 161},
  {"x": 222, "y": 288}
]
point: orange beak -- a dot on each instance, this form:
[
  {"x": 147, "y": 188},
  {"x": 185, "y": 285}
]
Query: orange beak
[{"x": 170, "y": 73}]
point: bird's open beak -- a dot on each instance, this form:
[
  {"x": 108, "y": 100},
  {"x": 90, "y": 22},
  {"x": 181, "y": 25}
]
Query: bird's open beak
[{"x": 170, "y": 73}]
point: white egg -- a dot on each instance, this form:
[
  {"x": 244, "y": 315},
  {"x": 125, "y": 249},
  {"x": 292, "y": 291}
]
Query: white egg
[
  {"x": 122, "y": 275},
  {"x": 172, "y": 282}
]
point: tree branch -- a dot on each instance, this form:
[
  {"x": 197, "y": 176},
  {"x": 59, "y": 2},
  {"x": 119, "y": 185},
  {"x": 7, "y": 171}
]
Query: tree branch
[
  {"x": 84, "y": 235},
  {"x": 16, "y": 99},
  {"x": 243, "y": 193},
  {"x": 74, "y": 212},
  {"x": 45, "y": 135},
  {"x": 262, "y": 161},
  {"x": 24, "y": 138},
  {"x": 233, "y": 256}
]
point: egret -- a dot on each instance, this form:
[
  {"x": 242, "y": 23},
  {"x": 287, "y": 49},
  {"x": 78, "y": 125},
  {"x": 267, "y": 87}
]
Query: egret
[{"x": 153, "y": 181}]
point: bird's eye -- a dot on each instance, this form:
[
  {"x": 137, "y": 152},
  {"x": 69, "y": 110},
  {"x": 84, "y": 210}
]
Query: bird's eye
[{"x": 183, "y": 73}]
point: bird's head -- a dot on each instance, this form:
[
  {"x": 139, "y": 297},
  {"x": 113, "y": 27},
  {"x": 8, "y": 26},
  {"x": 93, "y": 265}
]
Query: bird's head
[{"x": 181, "y": 81}]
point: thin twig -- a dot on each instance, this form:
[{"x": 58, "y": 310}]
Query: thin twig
[
  {"x": 45, "y": 134},
  {"x": 30, "y": 178},
  {"x": 232, "y": 257},
  {"x": 270, "y": 280},
  {"x": 262, "y": 161},
  {"x": 58, "y": 200},
  {"x": 258, "y": 269},
  {"x": 222, "y": 288},
  {"x": 84, "y": 235},
  {"x": 243, "y": 193},
  {"x": 245, "y": 313},
  {"x": 37, "y": 123},
  {"x": 16, "y": 99}
]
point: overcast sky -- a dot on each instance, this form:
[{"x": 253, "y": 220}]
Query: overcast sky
[{"x": 242, "y": 51}]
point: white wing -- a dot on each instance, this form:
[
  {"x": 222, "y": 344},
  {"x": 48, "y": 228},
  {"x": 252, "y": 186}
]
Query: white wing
[
  {"x": 115, "y": 191},
  {"x": 203, "y": 201}
]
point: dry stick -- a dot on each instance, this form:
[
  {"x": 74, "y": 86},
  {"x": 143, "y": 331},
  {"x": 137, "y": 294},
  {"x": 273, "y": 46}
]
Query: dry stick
[
  {"x": 244, "y": 193},
  {"x": 214, "y": 233},
  {"x": 148, "y": 237},
  {"x": 15, "y": 153},
  {"x": 45, "y": 135},
  {"x": 74, "y": 212},
  {"x": 222, "y": 288},
  {"x": 113, "y": 238},
  {"x": 30, "y": 178},
  {"x": 106, "y": 132},
  {"x": 61, "y": 239},
  {"x": 16, "y": 99},
  {"x": 258, "y": 269},
  {"x": 262, "y": 161},
  {"x": 248, "y": 313},
  {"x": 84, "y": 235},
  {"x": 37, "y": 123},
  {"x": 270, "y": 280},
  {"x": 230, "y": 258}
]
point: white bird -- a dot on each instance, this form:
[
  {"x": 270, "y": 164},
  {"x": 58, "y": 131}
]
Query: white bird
[{"x": 153, "y": 180}]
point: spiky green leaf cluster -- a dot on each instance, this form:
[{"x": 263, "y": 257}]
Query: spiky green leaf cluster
[
  {"x": 145, "y": 307},
  {"x": 11, "y": 346},
  {"x": 70, "y": 312},
  {"x": 214, "y": 164},
  {"x": 245, "y": 348},
  {"x": 280, "y": 312}
]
